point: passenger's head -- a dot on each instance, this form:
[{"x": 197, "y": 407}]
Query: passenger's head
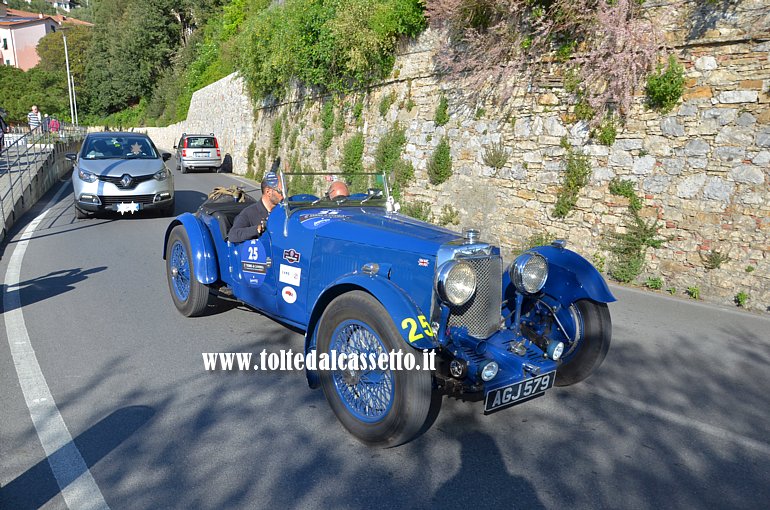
[
  {"x": 338, "y": 189},
  {"x": 271, "y": 189}
]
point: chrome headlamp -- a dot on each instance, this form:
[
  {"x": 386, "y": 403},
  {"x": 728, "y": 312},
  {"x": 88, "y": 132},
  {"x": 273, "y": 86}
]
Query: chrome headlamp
[
  {"x": 161, "y": 175},
  {"x": 86, "y": 176},
  {"x": 456, "y": 282},
  {"x": 529, "y": 272}
]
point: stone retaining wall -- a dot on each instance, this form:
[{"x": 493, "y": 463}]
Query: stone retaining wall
[{"x": 702, "y": 170}]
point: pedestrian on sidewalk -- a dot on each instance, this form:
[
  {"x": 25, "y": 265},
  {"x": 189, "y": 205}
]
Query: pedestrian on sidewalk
[{"x": 34, "y": 119}]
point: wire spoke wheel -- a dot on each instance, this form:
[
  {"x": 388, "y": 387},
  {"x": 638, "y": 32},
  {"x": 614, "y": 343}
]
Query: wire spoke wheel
[
  {"x": 379, "y": 406},
  {"x": 190, "y": 296}
]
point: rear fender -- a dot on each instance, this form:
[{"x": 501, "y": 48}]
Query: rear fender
[{"x": 201, "y": 245}]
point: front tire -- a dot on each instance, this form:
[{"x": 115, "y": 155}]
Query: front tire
[
  {"x": 593, "y": 332},
  {"x": 190, "y": 296},
  {"x": 380, "y": 408},
  {"x": 80, "y": 214}
]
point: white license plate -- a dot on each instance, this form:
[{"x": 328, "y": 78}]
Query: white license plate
[
  {"x": 519, "y": 392},
  {"x": 202, "y": 154}
]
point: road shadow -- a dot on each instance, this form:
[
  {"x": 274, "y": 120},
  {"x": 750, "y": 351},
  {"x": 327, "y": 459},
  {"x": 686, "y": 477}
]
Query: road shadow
[
  {"x": 36, "y": 486},
  {"x": 47, "y": 286}
]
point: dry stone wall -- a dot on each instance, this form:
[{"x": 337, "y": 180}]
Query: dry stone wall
[{"x": 703, "y": 170}]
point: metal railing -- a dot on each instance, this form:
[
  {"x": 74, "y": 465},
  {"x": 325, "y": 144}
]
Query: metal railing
[{"x": 24, "y": 153}]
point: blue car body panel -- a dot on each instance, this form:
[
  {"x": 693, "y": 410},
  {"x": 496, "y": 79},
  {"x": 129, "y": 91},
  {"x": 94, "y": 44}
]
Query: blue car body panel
[
  {"x": 309, "y": 255},
  {"x": 201, "y": 245}
]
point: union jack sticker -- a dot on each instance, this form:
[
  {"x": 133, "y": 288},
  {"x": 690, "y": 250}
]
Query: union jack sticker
[{"x": 422, "y": 262}]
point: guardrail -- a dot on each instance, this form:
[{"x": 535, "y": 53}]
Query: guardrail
[{"x": 31, "y": 161}]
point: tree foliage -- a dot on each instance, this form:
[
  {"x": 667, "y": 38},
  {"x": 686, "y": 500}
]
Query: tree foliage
[
  {"x": 19, "y": 90},
  {"x": 329, "y": 44}
]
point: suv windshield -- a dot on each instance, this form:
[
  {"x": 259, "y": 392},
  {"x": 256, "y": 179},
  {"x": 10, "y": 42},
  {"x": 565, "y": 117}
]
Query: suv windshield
[{"x": 118, "y": 147}]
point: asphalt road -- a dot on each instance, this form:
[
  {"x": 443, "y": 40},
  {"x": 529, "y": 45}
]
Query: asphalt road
[{"x": 677, "y": 416}]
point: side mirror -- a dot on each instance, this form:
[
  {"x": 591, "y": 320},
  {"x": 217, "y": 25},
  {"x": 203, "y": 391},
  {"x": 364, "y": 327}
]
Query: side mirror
[
  {"x": 71, "y": 156},
  {"x": 166, "y": 156}
]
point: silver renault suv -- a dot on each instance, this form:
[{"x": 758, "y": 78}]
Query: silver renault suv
[
  {"x": 121, "y": 172},
  {"x": 198, "y": 151}
]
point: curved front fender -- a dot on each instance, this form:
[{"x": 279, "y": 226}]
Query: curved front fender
[
  {"x": 570, "y": 278},
  {"x": 201, "y": 245}
]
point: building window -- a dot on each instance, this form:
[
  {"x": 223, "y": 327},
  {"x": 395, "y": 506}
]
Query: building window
[
  {"x": 5, "y": 43},
  {"x": 7, "y": 62}
]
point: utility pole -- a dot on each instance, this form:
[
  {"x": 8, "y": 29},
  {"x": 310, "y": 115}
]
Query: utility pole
[{"x": 69, "y": 81}]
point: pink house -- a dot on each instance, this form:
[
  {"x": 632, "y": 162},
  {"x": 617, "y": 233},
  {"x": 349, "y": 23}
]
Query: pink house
[{"x": 20, "y": 32}]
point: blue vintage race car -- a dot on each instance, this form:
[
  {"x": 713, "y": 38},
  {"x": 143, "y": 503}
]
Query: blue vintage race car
[{"x": 361, "y": 279}]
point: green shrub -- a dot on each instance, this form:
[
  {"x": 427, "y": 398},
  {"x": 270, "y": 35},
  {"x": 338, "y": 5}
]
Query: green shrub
[
  {"x": 714, "y": 259},
  {"x": 327, "y": 122},
  {"x": 276, "y": 137},
  {"x": 440, "y": 164},
  {"x": 358, "y": 110},
  {"x": 654, "y": 283},
  {"x": 741, "y": 299},
  {"x": 664, "y": 87},
  {"x": 693, "y": 292},
  {"x": 629, "y": 248},
  {"x": 599, "y": 261},
  {"x": 607, "y": 131},
  {"x": 262, "y": 165},
  {"x": 626, "y": 188},
  {"x": 480, "y": 112},
  {"x": 583, "y": 110},
  {"x": 750, "y": 269},
  {"x": 418, "y": 209},
  {"x": 293, "y": 139},
  {"x": 575, "y": 178},
  {"x": 671, "y": 290},
  {"x": 496, "y": 155},
  {"x": 352, "y": 165},
  {"x": 339, "y": 124},
  {"x": 409, "y": 104},
  {"x": 386, "y": 102},
  {"x": 442, "y": 111},
  {"x": 449, "y": 216},
  {"x": 403, "y": 175},
  {"x": 250, "y": 159}
]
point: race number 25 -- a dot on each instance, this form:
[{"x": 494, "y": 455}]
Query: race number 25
[{"x": 414, "y": 330}]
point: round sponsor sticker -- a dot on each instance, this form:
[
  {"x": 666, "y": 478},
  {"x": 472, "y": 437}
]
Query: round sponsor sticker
[{"x": 289, "y": 295}]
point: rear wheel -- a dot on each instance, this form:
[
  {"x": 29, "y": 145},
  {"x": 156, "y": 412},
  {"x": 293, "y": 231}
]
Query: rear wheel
[
  {"x": 593, "y": 332},
  {"x": 190, "y": 296},
  {"x": 379, "y": 407}
]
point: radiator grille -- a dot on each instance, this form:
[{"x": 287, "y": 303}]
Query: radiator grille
[
  {"x": 138, "y": 199},
  {"x": 118, "y": 181},
  {"x": 481, "y": 314}
]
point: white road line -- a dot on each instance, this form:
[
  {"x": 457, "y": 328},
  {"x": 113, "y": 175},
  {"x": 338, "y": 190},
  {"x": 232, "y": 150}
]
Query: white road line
[
  {"x": 683, "y": 421},
  {"x": 76, "y": 483}
]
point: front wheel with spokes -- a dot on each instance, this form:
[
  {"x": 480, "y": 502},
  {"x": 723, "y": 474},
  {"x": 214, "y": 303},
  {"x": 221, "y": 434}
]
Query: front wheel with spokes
[{"x": 379, "y": 407}]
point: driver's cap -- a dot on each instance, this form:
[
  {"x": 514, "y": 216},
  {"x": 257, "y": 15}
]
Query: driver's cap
[{"x": 271, "y": 180}]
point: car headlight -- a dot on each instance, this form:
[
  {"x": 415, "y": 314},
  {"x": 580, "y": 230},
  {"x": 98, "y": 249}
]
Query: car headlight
[
  {"x": 86, "y": 176},
  {"x": 161, "y": 175},
  {"x": 529, "y": 272},
  {"x": 456, "y": 282}
]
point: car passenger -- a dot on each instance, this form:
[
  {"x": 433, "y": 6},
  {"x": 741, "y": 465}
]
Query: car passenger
[
  {"x": 338, "y": 189},
  {"x": 250, "y": 223}
]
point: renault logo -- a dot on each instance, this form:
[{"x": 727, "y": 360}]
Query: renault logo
[{"x": 126, "y": 181}]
